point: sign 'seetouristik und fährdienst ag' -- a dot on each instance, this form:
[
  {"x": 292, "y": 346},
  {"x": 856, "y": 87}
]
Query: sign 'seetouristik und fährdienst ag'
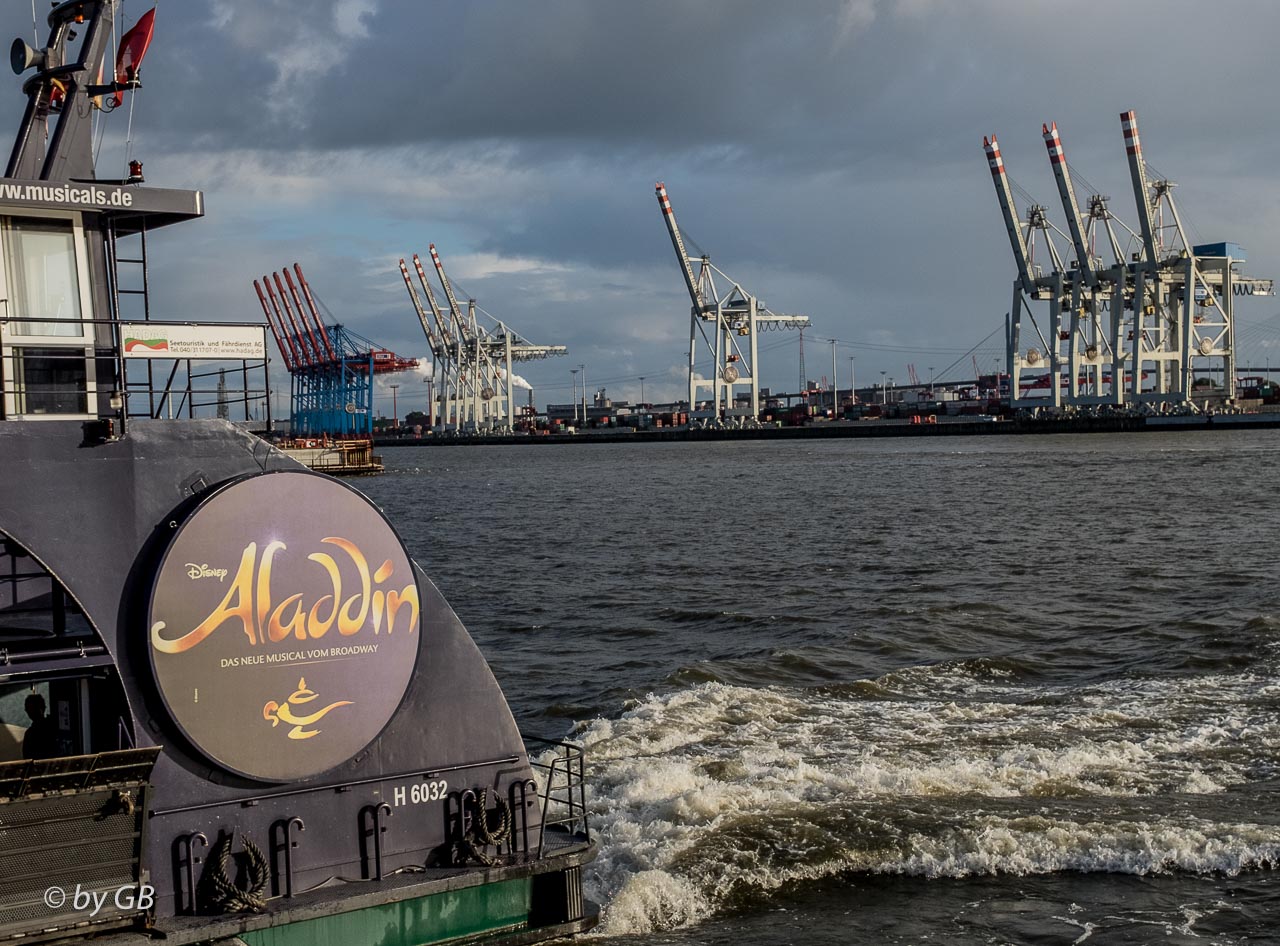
[
  {"x": 284, "y": 625},
  {"x": 211, "y": 342}
]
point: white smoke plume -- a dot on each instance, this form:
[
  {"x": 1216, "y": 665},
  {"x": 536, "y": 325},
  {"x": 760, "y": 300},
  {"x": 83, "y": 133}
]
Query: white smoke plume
[{"x": 516, "y": 380}]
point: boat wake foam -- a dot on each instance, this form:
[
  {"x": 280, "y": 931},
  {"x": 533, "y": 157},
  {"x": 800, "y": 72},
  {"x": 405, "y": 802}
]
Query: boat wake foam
[{"x": 711, "y": 796}]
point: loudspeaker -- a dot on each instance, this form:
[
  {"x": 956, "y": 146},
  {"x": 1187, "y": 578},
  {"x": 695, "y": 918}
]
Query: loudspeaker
[{"x": 22, "y": 57}]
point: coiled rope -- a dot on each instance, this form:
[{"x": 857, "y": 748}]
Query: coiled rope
[
  {"x": 228, "y": 897},
  {"x": 482, "y": 833}
]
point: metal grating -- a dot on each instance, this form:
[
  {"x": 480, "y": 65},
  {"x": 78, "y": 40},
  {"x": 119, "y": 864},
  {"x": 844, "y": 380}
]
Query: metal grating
[{"x": 72, "y": 824}]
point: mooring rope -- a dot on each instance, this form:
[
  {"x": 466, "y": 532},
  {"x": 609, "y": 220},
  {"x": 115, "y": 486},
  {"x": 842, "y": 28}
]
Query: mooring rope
[
  {"x": 482, "y": 834},
  {"x": 228, "y": 897}
]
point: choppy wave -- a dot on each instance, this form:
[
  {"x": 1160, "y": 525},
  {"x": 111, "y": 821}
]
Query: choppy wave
[
  {"x": 886, "y": 661},
  {"x": 716, "y": 795}
]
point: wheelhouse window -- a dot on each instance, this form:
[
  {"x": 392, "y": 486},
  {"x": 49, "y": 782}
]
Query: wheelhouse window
[
  {"x": 43, "y": 278},
  {"x": 47, "y": 361},
  {"x": 51, "y": 380}
]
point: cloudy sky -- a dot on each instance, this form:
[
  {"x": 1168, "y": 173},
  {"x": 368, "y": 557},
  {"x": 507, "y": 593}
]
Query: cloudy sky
[{"x": 827, "y": 154}]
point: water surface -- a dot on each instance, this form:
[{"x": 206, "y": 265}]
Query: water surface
[{"x": 987, "y": 690}]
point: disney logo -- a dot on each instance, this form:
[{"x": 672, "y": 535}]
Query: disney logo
[{"x": 195, "y": 571}]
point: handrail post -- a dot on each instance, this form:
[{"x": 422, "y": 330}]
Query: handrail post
[{"x": 184, "y": 854}]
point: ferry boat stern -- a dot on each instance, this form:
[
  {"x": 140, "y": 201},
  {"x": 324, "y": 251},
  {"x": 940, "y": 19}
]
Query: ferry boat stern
[{"x": 232, "y": 709}]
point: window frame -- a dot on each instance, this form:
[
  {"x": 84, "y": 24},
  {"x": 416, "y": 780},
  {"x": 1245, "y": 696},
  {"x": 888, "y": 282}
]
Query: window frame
[{"x": 10, "y": 341}]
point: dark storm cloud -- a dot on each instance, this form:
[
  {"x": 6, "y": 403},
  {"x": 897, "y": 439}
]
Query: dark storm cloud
[
  {"x": 822, "y": 83},
  {"x": 787, "y": 125},
  {"x": 869, "y": 84},
  {"x": 827, "y": 154}
]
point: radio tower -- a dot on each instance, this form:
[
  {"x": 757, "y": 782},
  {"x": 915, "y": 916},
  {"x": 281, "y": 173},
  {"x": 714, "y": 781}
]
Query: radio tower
[
  {"x": 224, "y": 412},
  {"x": 803, "y": 382}
]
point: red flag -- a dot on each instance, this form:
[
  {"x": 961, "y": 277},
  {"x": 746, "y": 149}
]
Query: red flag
[{"x": 133, "y": 46}]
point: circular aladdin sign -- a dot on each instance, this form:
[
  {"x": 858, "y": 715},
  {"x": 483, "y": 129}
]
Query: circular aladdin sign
[{"x": 284, "y": 625}]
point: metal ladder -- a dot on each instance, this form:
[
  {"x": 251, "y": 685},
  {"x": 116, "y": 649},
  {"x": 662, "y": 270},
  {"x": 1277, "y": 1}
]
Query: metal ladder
[{"x": 138, "y": 388}]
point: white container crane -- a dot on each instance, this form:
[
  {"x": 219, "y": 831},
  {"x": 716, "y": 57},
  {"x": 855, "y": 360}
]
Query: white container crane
[
  {"x": 734, "y": 316},
  {"x": 473, "y": 367},
  {"x": 1180, "y": 296}
]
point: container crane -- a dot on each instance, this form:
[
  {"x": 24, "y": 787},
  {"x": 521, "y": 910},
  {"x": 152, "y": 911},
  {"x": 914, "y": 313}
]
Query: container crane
[
  {"x": 473, "y": 366},
  {"x": 448, "y": 385},
  {"x": 1180, "y": 296},
  {"x": 435, "y": 337},
  {"x": 476, "y": 371},
  {"x": 1183, "y": 294},
  {"x": 1030, "y": 284},
  {"x": 1091, "y": 348},
  {"x": 1158, "y": 329},
  {"x": 735, "y": 315},
  {"x": 331, "y": 368}
]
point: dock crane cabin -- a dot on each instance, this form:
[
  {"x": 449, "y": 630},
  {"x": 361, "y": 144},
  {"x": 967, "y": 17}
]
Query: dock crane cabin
[{"x": 224, "y": 718}]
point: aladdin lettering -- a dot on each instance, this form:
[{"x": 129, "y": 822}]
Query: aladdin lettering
[{"x": 249, "y": 602}]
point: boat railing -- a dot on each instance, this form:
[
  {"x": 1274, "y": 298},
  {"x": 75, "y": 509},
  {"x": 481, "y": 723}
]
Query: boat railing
[
  {"x": 334, "y": 455},
  {"x": 56, "y": 366},
  {"x": 560, "y": 769}
]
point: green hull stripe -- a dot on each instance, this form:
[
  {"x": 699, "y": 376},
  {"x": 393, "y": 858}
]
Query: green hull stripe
[{"x": 432, "y": 919}]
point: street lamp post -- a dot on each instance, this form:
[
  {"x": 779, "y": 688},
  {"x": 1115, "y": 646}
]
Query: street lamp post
[
  {"x": 573, "y": 373},
  {"x": 835, "y": 388},
  {"x": 931, "y": 382},
  {"x": 853, "y": 388},
  {"x": 583, "y": 369},
  {"x": 642, "y": 401},
  {"x": 395, "y": 414},
  {"x": 884, "y": 391}
]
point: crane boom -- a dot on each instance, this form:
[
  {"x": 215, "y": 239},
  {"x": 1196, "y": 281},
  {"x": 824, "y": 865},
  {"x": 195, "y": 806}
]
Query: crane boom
[
  {"x": 686, "y": 268},
  {"x": 441, "y": 326},
  {"x": 1058, "y": 158},
  {"x": 280, "y": 343},
  {"x": 315, "y": 354},
  {"x": 458, "y": 319},
  {"x": 325, "y": 351},
  {"x": 1138, "y": 171},
  {"x": 298, "y": 355},
  {"x": 1017, "y": 240},
  {"x": 304, "y": 356},
  {"x": 417, "y": 305},
  {"x": 311, "y": 304}
]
